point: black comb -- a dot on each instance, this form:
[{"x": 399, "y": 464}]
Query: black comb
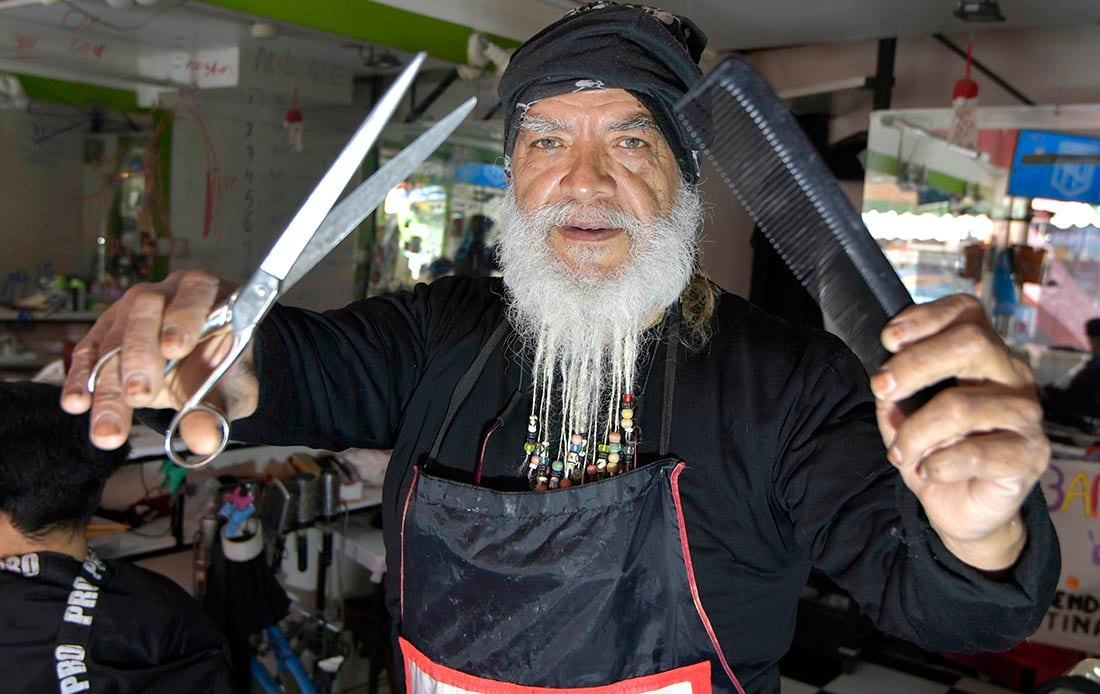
[
  {"x": 762, "y": 154},
  {"x": 734, "y": 117}
]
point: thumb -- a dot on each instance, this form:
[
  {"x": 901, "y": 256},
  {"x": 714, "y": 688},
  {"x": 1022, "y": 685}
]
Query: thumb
[{"x": 201, "y": 432}]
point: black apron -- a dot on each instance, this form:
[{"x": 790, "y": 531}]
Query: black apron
[{"x": 587, "y": 588}]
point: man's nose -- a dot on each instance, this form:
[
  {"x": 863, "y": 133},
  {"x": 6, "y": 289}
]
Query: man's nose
[{"x": 587, "y": 177}]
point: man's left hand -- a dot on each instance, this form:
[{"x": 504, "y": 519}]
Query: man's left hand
[{"x": 974, "y": 451}]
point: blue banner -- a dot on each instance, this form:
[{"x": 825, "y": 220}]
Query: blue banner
[
  {"x": 1077, "y": 182},
  {"x": 488, "y": 175}
]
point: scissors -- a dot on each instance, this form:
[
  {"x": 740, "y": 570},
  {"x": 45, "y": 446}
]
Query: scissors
[{"x": 310, "y": 236}]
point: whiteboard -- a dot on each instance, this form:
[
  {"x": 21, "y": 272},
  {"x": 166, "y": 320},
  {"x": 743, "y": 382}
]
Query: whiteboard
[
  {"x": 42, "y": 200},
  {"x": 236, "y": 182}
]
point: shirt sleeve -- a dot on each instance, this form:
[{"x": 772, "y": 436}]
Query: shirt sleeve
[
  {"x": 342, "y": 378},
  {"x": 860, "y": 524}
]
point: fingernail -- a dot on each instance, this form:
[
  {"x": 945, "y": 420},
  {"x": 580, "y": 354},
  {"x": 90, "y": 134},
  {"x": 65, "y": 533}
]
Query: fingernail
[
  {"x": 107, "y": 425},
  {"x": 171, "y": 338},
  {"x": 883, "y": 383},
  {"x": 896, "y": 334},
  {"x": 894, "y": 456},
  {"x": 137, "y": 386}
]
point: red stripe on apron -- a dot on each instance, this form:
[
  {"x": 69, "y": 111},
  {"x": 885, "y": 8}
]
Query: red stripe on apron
[
  {"x": 422, "y": 676},
  {"x": 691, "y": 578}
]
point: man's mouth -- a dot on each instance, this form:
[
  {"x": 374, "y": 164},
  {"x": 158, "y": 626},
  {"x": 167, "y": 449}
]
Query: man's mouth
[{"x": 590, "y": 233}]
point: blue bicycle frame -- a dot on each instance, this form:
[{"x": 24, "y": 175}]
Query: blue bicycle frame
[{"x": 287, "y": 661}]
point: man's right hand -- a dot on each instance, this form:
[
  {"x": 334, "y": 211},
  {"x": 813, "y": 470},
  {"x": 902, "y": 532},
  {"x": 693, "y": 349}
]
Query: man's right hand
[{"x": 154, "y": 323}]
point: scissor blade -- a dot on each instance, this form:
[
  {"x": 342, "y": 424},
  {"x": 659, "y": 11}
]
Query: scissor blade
[
  {"x": 316, "y": 207},
  {"x": 353, "y": 209}
]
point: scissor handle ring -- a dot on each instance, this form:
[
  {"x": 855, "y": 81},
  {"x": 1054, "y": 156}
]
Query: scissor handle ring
[
  {"x": 173, "y": 429},
  {"x": 93, "y": 377}
]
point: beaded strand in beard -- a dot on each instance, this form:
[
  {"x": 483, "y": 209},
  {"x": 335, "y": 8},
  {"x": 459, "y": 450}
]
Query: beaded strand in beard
[
  {"x": 614, "y": 448},
  {"x": 574, "y": 459},
  {"x": 557, "y": 472},
  {"x": 576, "y": 473},
  {"x": 533, "y": 463},
  {"x": 542, "y": 476},
  {"x": 629, "y": 433},
  {"x": 530, "y": 445},
  {"x": 582, "y": 462}
]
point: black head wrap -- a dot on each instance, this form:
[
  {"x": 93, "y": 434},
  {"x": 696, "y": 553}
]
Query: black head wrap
[{"x": 650, "y": 53}]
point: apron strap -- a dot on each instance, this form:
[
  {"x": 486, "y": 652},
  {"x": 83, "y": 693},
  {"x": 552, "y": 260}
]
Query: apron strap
[
  {"x": 466, "y": 385},
  {"x": 671, "y": 350}
]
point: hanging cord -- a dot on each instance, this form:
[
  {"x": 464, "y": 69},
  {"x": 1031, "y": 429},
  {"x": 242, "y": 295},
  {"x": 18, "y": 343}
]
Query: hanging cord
[
  {"x": 969, "y": 54},
  {"x": 466, "y": 385},
  {"x": 671, "y": 351},
  {"x": 497, "y": 424}
]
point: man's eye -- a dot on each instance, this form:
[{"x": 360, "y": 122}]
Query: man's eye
[
  {"x": 633, "y": 143},
  {"x": 546, "y": 143}
]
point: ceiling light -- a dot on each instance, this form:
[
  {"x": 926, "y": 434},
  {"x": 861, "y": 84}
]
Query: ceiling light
[
  {"x": 386, "y": 60},
  {"x": 979, "y": 11},
  {"x": 264, "y": 31}
]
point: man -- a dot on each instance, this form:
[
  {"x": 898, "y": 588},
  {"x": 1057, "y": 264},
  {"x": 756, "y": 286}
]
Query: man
[
  {"x": 70, "y": 621},
  {"x": 1081, "y": 397},
  {"x": 605, "y": 350}
]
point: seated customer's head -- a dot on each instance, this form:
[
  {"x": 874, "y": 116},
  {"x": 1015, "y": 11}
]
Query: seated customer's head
[
  {"x": 51, "y": 477},
  {"x": 1092, "y": 331}
]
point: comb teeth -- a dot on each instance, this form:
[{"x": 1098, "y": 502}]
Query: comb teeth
[{"x": 762, "y": 154}]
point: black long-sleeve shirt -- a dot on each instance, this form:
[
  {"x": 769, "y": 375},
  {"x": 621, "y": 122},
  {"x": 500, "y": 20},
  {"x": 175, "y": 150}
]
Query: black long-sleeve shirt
[{"x": 786, "y": 467}]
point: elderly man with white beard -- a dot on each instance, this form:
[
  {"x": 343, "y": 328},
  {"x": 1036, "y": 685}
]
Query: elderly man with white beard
[{"x": 606, "y": 471}]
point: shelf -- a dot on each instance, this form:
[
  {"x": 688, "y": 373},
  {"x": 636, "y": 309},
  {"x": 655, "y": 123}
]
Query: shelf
[
  {"x": 147, "y": 445},
  {"x": 8, "y": 315},
  {"x": 18, "y": 363},
  {"x": 372, "y": 496},
  {"x": 152, "y": 537},
  {"x": 155, "y": 537}
]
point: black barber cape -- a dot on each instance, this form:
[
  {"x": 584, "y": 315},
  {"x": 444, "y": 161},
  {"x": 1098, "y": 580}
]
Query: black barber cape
[
  {"x": 785, "y": 466},
  {"x": 140, "y": 631}
]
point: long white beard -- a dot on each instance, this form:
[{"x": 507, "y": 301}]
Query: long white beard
[{"x": 587, "y": 328}]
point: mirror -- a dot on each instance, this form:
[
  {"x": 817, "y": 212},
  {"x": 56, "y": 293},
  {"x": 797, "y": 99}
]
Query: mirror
[
  {"x": 441, "y": 220},
  {"x": 1014, "y": 220}
]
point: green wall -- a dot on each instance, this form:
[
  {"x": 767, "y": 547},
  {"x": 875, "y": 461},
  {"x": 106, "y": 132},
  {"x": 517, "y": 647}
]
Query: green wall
[
  {"x": 61, "y": 91},
  {"x": 368, "y": 21}
]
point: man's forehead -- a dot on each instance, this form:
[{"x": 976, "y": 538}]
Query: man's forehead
[
  {"x": 613, "y": 98},
  {"x": 614, "y": 109}
]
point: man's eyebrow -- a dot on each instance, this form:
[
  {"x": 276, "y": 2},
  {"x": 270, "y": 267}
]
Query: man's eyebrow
[
  {"x": 542, "y": 124},
  {"x": 640, "y": 121}
]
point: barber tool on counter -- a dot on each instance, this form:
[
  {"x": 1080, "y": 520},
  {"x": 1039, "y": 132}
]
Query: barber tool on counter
[{"x": 304, "y": 502}]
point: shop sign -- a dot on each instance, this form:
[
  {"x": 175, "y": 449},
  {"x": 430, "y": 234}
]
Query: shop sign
[{"x": 1072, "y": 491}]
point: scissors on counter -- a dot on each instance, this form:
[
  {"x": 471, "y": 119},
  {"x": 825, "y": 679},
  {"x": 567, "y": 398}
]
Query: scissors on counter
[{"x": 315, "y": 230}]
